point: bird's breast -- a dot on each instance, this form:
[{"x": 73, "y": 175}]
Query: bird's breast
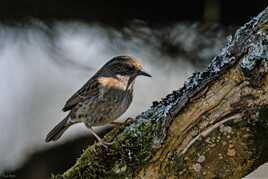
[
  {"x": 111, "y": 101},
  {"x": 99, "y": 111}
]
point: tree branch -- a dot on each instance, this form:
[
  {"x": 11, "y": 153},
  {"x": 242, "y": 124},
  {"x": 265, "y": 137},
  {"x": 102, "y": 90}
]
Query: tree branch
[{"x": 209, "y": 128}]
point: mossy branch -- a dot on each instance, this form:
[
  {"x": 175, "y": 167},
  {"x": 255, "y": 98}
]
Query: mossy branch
[{"x": 209, "y": 128}]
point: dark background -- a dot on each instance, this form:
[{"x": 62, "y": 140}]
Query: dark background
[{"x": 119, "y": 12}]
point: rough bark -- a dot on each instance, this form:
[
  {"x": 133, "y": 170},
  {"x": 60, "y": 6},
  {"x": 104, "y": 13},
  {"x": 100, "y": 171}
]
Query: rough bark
[{"x": 210, "y": 128}]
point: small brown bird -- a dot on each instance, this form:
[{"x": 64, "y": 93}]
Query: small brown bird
[{"x": 104, "y": 97}]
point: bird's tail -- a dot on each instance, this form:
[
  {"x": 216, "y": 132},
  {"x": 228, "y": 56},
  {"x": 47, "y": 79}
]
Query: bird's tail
[{"x": 58, "y": 130}]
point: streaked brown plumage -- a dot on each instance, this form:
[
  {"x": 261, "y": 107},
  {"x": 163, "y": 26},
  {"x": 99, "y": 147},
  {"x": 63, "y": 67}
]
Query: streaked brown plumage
[{"x": 104, "y": 97}]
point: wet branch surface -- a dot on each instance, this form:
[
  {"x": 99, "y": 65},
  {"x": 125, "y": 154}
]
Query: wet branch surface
[{"x": 210, "y": 128}]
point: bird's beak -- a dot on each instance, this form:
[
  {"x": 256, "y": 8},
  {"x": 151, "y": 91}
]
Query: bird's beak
[{"x": 143, "y": 73}]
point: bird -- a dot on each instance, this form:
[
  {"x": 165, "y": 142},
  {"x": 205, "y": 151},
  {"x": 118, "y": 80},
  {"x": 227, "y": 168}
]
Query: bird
[{"x": 103, "y": 98}]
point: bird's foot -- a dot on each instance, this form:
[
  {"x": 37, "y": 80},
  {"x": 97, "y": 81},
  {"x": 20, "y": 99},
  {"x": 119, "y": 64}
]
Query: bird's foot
[
  {"x": 104, "y": 143},
  {"x": 127, "y": 121}
]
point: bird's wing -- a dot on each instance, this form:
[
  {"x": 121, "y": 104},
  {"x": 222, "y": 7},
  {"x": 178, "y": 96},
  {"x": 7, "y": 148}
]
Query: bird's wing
[{"x": 90, "y": 89}]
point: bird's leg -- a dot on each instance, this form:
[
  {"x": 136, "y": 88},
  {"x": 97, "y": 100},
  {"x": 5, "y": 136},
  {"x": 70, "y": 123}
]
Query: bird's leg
[
  {"x": 101, "y": 142},
  {"x": 114, "y": 123},
  {"x": 127, "y": 121}
]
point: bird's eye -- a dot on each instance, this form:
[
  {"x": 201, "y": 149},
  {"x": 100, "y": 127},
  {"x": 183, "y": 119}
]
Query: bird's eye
[
  {"x": 130, "y": 68},
  {"x": 126, "y": 70}
]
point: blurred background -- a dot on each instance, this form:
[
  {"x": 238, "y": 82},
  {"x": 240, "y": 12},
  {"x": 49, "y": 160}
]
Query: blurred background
[{"x": 49, "y": 49}]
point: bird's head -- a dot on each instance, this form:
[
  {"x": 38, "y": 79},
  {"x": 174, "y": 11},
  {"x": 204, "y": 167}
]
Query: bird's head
[{"x": 125, "y": 68}]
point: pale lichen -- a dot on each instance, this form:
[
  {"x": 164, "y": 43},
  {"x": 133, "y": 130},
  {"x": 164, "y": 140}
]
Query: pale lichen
[
  {"x": 197, "y": 167},
  {"x": 201, "y": 158}
]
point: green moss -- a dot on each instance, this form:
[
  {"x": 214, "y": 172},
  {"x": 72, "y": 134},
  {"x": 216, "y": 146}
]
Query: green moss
[{"x": 132, "y": 147}]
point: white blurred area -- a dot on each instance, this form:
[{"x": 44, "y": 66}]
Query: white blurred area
[{"x": 42, "y": 66}]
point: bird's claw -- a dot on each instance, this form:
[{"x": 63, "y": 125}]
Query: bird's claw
[
  {"x": 104, "y": 143},
  {"x": 127, "y": 121}
]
